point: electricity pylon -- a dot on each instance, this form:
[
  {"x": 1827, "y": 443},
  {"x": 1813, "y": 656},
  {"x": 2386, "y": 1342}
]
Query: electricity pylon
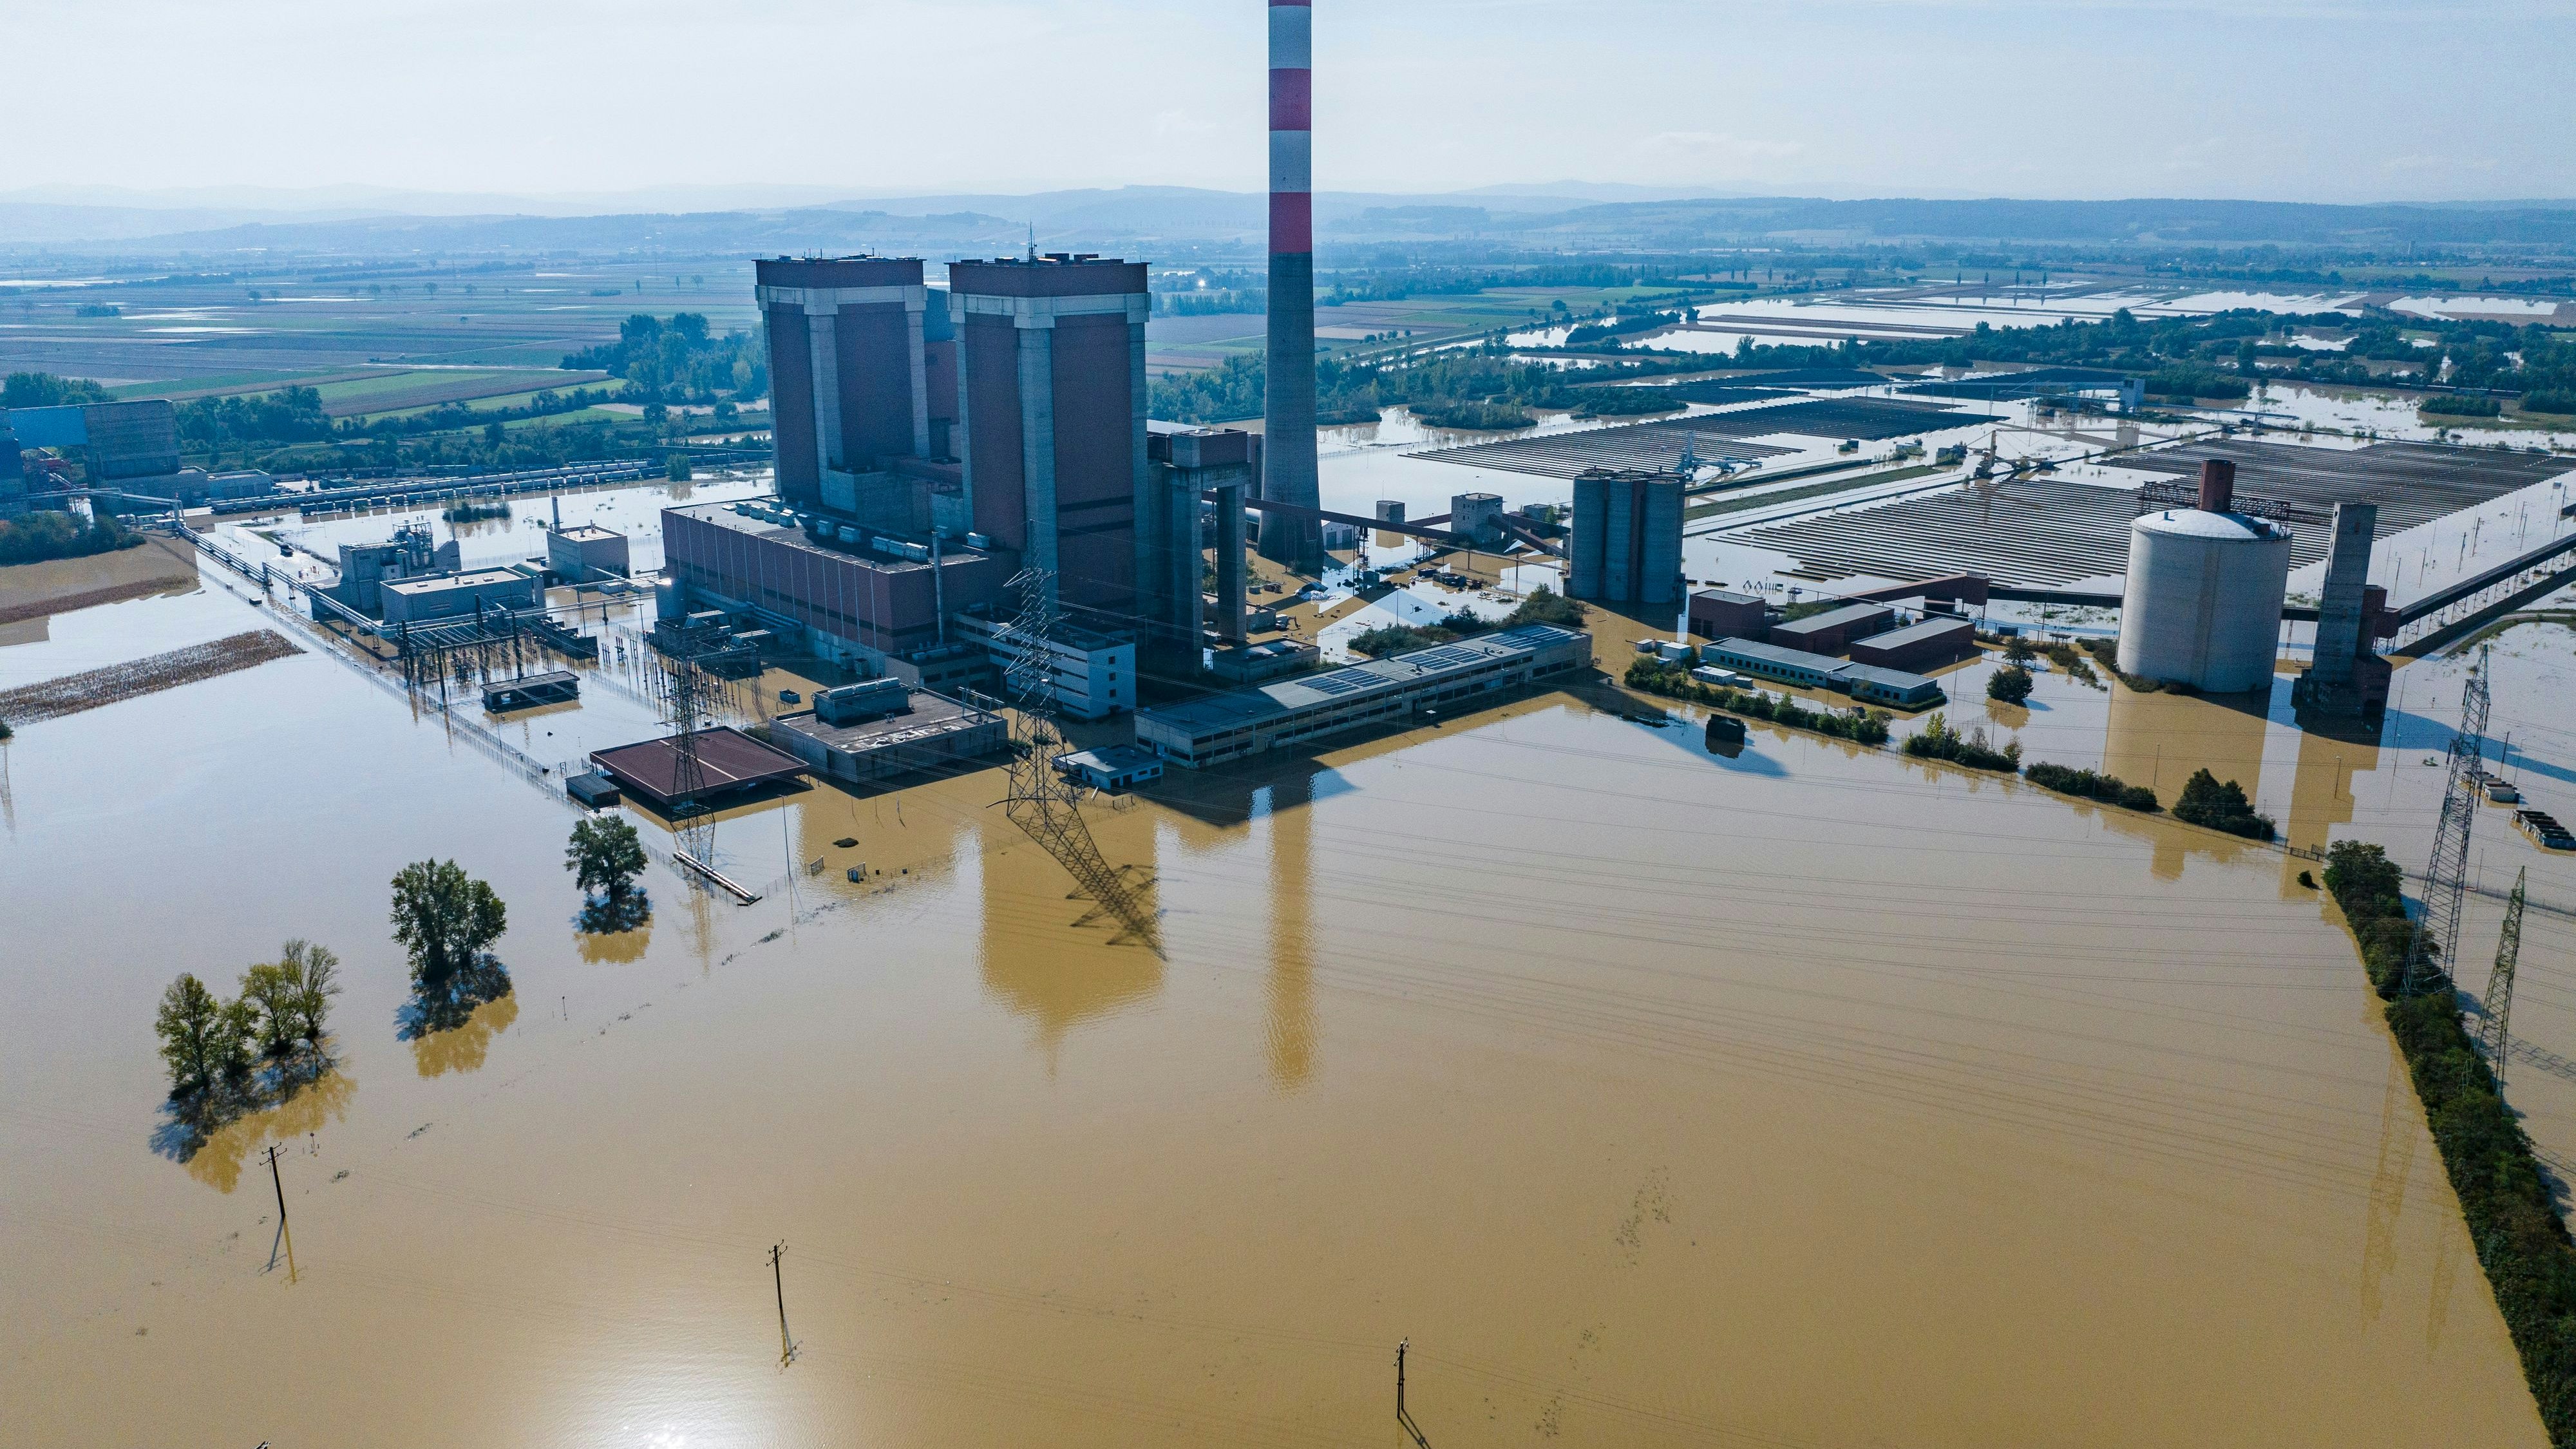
[
  {"x": 2493, "y": 1031},
  {"x": 2446, "y": 878},
  {"x": 1042, "y": 801}
]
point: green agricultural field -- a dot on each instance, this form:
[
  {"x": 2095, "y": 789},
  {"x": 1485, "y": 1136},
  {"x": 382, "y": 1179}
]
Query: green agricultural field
[{"x": 417, "y": 389}]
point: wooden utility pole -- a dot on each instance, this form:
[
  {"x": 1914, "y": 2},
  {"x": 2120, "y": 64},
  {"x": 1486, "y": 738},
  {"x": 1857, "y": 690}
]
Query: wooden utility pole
[
  {"x": 778, "y": 1278},
  {"x": 280, "y": 1184},
  {"x": 1403, "y": 1419}
]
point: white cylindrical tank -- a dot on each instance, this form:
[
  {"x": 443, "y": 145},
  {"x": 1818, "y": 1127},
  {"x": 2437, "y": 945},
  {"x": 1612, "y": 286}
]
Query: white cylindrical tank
[{"x": 2203, "y": 604}]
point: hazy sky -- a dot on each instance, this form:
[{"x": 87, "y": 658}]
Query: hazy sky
[{"x": 2318, "y": 101}]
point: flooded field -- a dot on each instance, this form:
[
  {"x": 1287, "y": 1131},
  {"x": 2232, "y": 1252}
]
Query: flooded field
[{"x": 1807, "y": 1097}]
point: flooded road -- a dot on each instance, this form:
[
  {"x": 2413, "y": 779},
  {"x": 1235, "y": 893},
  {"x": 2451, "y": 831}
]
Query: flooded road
[{"x": 1809, "y": 1097}]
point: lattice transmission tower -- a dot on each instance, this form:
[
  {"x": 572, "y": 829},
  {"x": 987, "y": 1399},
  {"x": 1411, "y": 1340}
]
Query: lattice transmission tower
[
  {"x": 2493, "y": 1031},
  {"x": 2446, "y": 878},
  {"x": 1042, "y": 801},
  {"x": 689, "y": 697}
]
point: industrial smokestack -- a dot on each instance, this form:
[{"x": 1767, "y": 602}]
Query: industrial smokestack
[
  {"x": 2217, "y": 485},
  {"x": 1288, "y": 403}
]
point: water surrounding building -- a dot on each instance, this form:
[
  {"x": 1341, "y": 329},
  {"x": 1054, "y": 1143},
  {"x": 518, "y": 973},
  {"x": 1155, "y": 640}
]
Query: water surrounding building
[{"x": 439, "y": 596}]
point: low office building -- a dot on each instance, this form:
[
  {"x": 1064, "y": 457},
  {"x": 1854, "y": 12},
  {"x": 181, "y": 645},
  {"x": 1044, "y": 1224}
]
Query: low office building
[
  {"x": 1269, "y": 659},
  {"x": 435, "y": 598},
  {"x": 1382, "y": 692},
  {"x": 1895, "y": 688},
  {"x": 1927, "y": 645},
  {"x": 586, "y": 554},
  {"x": 1867, "y": 683},
  {"x": 1832, "y": 631},
  {"x": 1724, "y": 614},
  {"x": 1111, "y": 767},
  {"x": 1094, "y": 674},
  {"x": 881, "y": 730}
]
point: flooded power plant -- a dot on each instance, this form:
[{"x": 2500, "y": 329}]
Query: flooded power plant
[{"x": 1582, "y": 814}]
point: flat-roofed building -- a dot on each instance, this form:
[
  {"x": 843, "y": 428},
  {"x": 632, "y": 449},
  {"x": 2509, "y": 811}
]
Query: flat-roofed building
[
  {"x": 1780, "y": 665},
  {"x": 435, "y": 597},
  {"x": 1112, "y": 767},
  {"x": 854, "y": 594},
  {"x": 1093, "y": 673},
  {"x": 585, "y": 553},
  {"x": 1725, "y": 614},
  {"x": 1832, "y": 631},
  {"x": 1899, "y": 688},
  {"x": 1868, "y": 683},
  {"x": 911, "y": 732},
  {"x": 1927, "y": 645},
  {"x": 1377, "y": 694}
]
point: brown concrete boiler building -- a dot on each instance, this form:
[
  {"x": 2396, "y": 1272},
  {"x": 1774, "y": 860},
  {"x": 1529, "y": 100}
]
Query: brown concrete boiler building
[
  {"x": 858, "y": 350},
  {"x": 1052, "y": 391}
]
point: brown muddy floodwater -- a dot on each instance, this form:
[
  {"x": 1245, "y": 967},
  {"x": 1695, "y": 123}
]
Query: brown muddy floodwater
[{"x": 1805, "y": 1098}]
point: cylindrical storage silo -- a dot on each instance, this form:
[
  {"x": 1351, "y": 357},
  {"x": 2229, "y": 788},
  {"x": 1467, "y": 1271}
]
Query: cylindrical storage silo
[{"x": 2203, "y": 604}]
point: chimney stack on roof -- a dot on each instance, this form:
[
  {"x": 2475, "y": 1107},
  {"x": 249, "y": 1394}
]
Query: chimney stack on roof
[{"x": 2217, "y": 485}]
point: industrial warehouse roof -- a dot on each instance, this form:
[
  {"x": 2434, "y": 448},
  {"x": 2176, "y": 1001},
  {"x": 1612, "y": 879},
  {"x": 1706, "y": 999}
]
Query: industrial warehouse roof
[
  {"x": 1832, "y": 619},
  {"x": 1782, "y": 655},
  {"x": 930, "y": 716},
  {"x": 730, "y": 516},
  {"x": 1929, "y": 629},
  {"x": 440, "y": 583},
  {"x": 1408, "y": 670},
  {"x": 728, "y": 759}
]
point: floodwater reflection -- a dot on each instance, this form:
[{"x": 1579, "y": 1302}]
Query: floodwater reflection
[
  {"x": 1289, "y": 807},
  {"x": 450, "y": 1028},
  {"x": 614, "y": 932},
  {"x": 215, "y": 1158},
  {"x": 1039, "y": 960}
]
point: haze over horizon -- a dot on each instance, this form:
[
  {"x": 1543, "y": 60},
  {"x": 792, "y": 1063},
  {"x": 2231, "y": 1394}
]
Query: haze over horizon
[{"x": 776, "y": 101}]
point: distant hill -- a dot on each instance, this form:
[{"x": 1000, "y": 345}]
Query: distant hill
[{"x": 1144, "y": 218}]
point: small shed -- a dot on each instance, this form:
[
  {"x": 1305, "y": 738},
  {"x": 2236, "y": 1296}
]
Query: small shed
[{"x": 1112, "y": 767}]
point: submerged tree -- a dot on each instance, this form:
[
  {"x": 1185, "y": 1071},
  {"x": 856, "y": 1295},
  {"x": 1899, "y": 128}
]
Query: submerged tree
[
  {"x": 605, "y": 856},
  {"x": 445, "y": 919},
  {"x": 292, "y": 995},
  {"x": 317, "y": 979},
  {"x": 2010, "y": 684},
  {"x": 191, "y": 1028},
  {"x": 273, "y": 991}
]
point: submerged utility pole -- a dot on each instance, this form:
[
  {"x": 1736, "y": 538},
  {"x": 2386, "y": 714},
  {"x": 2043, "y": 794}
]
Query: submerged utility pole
[
  {"x": 1404, "y": 1419},
  {"x": 778, "y": 1279},
  {"x": 280, "y": 1184},
  {"x": 2493, "y": 1031}
]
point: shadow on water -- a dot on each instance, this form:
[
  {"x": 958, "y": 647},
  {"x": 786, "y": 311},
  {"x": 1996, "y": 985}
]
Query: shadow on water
[
  {"x": 613, "y": 932},
  {"x": 450, "y": 1025},
  {"x": 213, "y": 1134}
]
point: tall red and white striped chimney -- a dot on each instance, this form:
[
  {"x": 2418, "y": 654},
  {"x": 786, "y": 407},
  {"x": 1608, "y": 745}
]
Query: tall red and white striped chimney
[{"x": 1288, "y": 402}]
